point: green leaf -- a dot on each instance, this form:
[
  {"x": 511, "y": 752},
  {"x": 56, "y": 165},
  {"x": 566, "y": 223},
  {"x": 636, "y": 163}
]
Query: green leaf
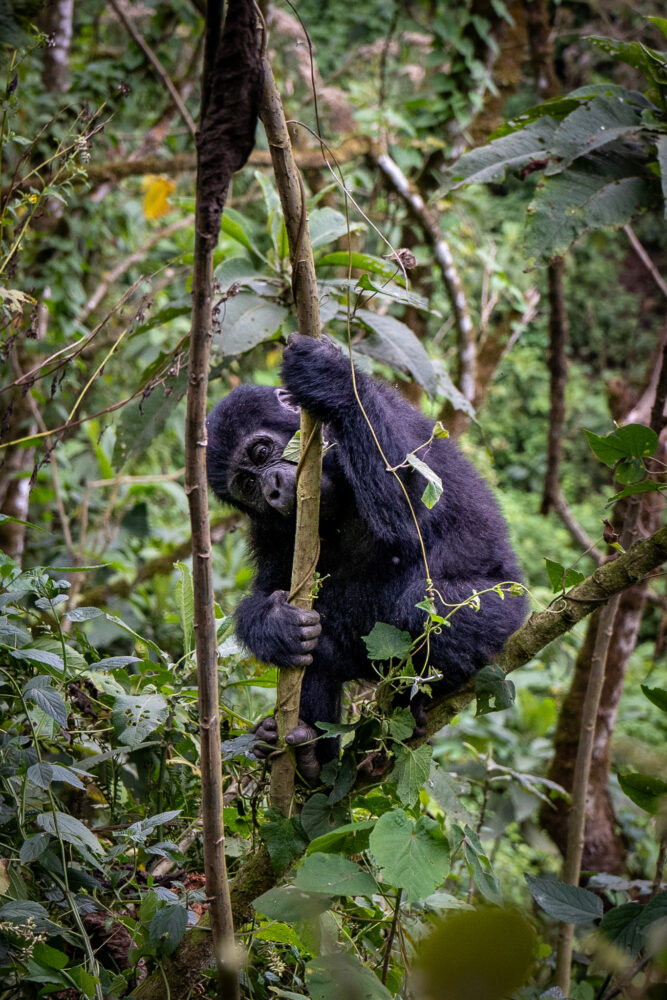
[
  {"x": 142, "y": 420},
  {"x": 71, "y": 830},
  {"x": 38, "y": 656},
  {"x": 491, "y": 162},
  {"x": 443, "y": 788},
  {"x": 401, "y": 724},
  {"x": 288, "y": 903},
  {"x": 349, "y": 839},
  {"x": 478, "y": 865},
  {"x": 167, "y": 927},
  {"x": 561, "y": 578},
  {"x": 335, "y": 876},
  {"x": 231, "y": 224},
  {"x": 658, "y": 696},
  {"x": 661, "y": 146},
  {"x": 626, "y": 925},
  {"x": 248, "y": 320},
  {"x": 413, "y": 856},
  {"x": 185, "y": 602},
  {"x": 433, "y": 491},
  {"x": 42, "y": 774},
  {"x": 20, "y": 911},
  {"x": 237, "y": 271},
  {"x": 320, "y": 816},
  {"x": 493, "y": 690},
  {"x": 326, "y": 225},
  {"x": 594, "y": 123},
  {"x": 33, "y": 847},
  {"x": 360, "y": 261},
  {"x": 134, "y": 718},
  {"x": 49, "y": 701},
  {"x": 284, "y": 838},
  {"x": 645, "y": 791},
  {"x": 341, "y": 975},
  {"x": 83, "y": 614},
  {"x": 568, "y": 903},
  {"x": 114, "y": 662},
  {"x": 386, "y": 642},
  {"x": 411, "y": 770},
  {"x": 397, "y": 293},
  {"x": 280, "y": 934},
  {"x": 396, "y": 345},
  {"x": 629, "y": 441}
]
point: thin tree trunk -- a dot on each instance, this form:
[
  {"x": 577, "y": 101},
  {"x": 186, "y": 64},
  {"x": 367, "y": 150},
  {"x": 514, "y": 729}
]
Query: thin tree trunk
[
  {"x": 306, "y": 542},
  {"x": 558, "y": 336}
]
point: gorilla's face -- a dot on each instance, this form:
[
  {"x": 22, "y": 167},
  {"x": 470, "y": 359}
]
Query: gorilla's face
[
  {"x": 248, "y": 432},
  {"x": 260, "y": 477}
]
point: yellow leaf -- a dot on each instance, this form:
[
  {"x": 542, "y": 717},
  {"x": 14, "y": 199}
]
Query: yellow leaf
[{"x": 156, "y": 201}]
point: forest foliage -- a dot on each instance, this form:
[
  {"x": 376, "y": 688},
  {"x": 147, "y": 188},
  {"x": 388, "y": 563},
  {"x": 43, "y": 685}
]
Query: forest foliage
[{"x": 433, "y": 877}]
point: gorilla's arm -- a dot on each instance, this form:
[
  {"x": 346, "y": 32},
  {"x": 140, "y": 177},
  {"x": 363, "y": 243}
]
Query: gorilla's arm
[
  {"x": 318, "y": 377},
  {"x": 273, "y": 630}
]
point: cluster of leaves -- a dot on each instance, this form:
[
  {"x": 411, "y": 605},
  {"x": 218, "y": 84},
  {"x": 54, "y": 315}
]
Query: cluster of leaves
[{"x": 602, "y": 152}]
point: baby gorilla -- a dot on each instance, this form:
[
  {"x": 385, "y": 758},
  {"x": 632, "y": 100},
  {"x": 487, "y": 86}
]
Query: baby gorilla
[{"x": 370, "y": 555}]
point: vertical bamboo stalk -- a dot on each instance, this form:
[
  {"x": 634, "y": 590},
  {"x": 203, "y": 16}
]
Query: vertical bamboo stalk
[{"x": 306, "y": 542}]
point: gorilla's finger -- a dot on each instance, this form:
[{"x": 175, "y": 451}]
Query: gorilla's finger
[
  {"x": 302, "y": 733},
  {"x": 312, "y": 632},
  {"x": 308, "y": 645},
  {"x": 300, "y": 661},
  {"x": 306, "y": 617}
]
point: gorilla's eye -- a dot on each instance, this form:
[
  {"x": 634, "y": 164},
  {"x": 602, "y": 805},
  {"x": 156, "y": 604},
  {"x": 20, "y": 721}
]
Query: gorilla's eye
[
  {"x": 260, "y": 452},
  {"x": 248, "y": 483}
]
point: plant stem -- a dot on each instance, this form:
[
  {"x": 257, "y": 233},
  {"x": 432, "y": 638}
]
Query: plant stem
[{"x": 306, "y": 542}]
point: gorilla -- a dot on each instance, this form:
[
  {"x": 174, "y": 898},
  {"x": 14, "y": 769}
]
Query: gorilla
[{"x": 371, "y": 561}]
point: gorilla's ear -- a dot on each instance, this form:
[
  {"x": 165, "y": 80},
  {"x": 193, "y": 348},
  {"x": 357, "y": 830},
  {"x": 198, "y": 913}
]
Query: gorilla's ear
[{"x": 286, "y": 401}]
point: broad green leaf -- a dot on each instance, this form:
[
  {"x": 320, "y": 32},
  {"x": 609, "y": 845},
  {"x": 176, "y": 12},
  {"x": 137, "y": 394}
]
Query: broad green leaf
[
  {"x": 412, "y": 856},
  {"x": 134, "y": 718},
  {"x": 401, "y": 724},
  {"x": 433, "y": 491},
  {"x": 248, "y": 320},
  {"x": 567, "y": 903},
  {"x": 320, "y": 816},
  {"x": 50, "y": 957},
  {"x": 396, "y": 345},
  {"x": 646, "y": 486},
  {"x": 349, "y": 839},
  {"x": 335, "y": 876},
  {"x": 645, "y": 791},
  {"x": 411, "y": 770},
  {"x": 594, "y": 192},
  {"x": 39, "y": 656},
  {"x": 143, "y": 418},
  {"x": 561, "y": 578},
  {"x": 70, "y": 830},
  {"x": 185, "y": 602},
  {"x": 114, "y": 662},
  {"x": 629, "y": 441},
  {"x": 237, "y": 271},
  {"x": 484, "y": 954},
  {"x": 49, "y": 701},
  {"x": 20, "y": 911},
  {"x": 341, "y": 975},
  {"x": 326, "y": 225},
  {"x": 446, "y": 791},
  {"x": 284, "y": 838},
  {"x": 42, "y": 774},
  {"x": 288, "y": 903},
  {"x": 630, "y": 471},
  {"x": 167, "y": 927},
  {"x": 594, "y": 123},
  {"x": 493, "y": 690},
  {"x": 491, "y": 162},
  {"x": 33, "y": 847},
  {"x": 627, "y": 925},
  {"x": 231, "y": 224},
  {"x": 83, "y": 614},
  {"x": 280, "y": 934},
  {"x": 386, "y": 642},
  {"x": 658, "y": 696},
  {"x": 395, "y": 292},
  {"x": 359, "y": 261}
]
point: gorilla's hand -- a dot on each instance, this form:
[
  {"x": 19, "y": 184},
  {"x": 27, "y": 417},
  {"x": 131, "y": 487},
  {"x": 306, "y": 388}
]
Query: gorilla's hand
[
  {"x": 290, "y": 632},
  {"x": 302, "y": 738},
  {"x": 316, "y": 374}
]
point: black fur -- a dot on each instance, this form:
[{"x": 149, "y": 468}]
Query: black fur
[{"x": 370, "y": 553}]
